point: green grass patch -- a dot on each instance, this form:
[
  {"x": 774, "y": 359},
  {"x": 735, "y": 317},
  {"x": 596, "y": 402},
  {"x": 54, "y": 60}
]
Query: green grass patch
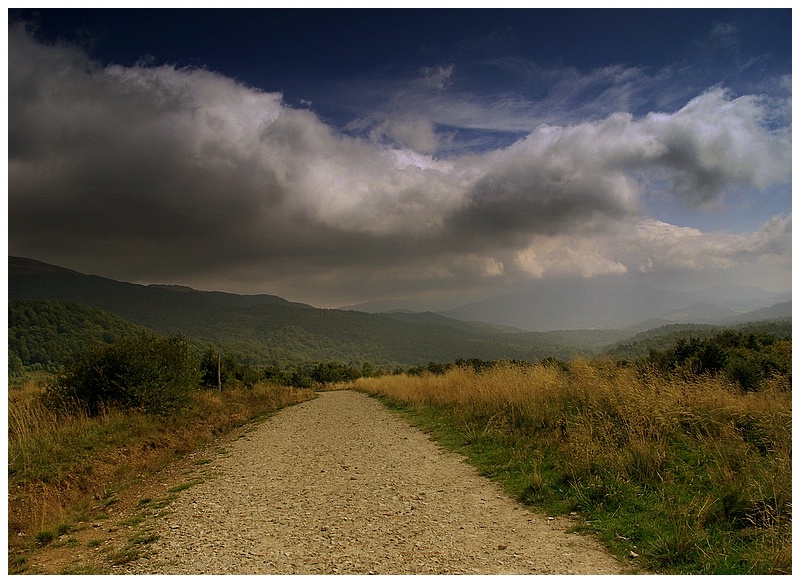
[
  {"x": 134, "y": 520},
  {"x": 143, "y": 538},
  {"x": 17, "y": 564},
  {"x": 44, "y": 537},
  {"x": 135, "y": 548},
  {"x": 185, "y": 485}
]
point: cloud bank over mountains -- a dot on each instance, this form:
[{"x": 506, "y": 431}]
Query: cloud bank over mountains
[{"x": 169, "y": 174}]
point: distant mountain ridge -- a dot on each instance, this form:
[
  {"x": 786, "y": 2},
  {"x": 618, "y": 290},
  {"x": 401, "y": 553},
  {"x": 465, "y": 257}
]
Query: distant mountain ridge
[
  {"x": 610, "y": 304},
  {"x": 607, "y": 303},
  {"x": 266, "y": 329},
  {"x": 31, "y": 279}
]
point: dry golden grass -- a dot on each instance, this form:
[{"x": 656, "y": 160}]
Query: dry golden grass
[
  {"x": 715, "y": 459},
  {"x": 61, "y": 460}
]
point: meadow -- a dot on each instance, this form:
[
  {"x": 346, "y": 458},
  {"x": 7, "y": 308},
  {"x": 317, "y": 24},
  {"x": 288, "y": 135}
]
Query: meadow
[{"x": 678, "y": 473}]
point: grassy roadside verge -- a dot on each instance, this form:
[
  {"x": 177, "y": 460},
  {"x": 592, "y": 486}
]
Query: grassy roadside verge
[
  {"x": 65, "y": 468},
  {"x": 681, "y": 475}
]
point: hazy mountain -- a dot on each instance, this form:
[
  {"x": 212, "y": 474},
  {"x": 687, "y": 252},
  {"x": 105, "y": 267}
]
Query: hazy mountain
[
  {"x": 431, "y": 318},
  {"x": 698, "y": 312},
  {"x": 741, "y": 298},
  {"x": 612, "y": 304},
  {"x": 407, "y": 305},
  {"x": 776, "y": 312},
  {"x": 782, "y": 310}
]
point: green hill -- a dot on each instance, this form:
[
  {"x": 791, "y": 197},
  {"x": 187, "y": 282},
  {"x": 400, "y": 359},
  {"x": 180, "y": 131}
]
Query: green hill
[
  {"x": 42, "y": 334},
  {"x": 263, "y": 329}
]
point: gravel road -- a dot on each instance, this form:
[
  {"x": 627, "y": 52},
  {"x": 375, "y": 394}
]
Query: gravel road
[{"x": 342, "y": 485}]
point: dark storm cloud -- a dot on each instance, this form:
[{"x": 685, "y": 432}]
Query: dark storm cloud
[
  {"x": 157, "y": 172},
  {"x": 509, "y": 204}
]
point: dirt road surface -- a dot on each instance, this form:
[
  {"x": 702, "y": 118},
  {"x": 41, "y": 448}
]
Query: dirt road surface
[{"x": 342, "y": 485}]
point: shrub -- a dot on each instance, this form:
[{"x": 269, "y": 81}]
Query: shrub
[
  {"x": 334, "y": 372},
  {"x": 746, "y": 359},
  {"x": 149, "y": 373}
]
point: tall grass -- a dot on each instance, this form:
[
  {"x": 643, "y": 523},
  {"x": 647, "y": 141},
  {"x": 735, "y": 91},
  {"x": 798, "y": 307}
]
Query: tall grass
[
  {"x": 62, "y": 459},
  {"x": 688, "y": 472}
]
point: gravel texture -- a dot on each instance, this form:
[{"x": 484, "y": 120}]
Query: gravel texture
[{"x": 342, "y": 485}]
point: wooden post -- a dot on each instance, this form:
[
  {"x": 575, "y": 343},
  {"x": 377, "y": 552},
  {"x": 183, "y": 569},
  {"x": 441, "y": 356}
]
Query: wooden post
[{"x": 219, "y": 371}]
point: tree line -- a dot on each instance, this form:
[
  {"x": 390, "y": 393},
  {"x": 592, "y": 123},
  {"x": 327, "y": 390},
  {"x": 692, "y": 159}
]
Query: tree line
[
  {"x": 157, "y": 374},
  {"x": 100, "y": 360},
  {"x": 747, "y": 359}
]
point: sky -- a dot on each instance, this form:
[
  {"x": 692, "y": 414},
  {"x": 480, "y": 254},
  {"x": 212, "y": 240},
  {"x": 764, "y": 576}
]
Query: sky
[{"x": 343, "y": 156}]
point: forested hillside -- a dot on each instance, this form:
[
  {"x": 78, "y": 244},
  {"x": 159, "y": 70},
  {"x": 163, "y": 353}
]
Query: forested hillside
[
  {"x": 665, "y": 337},
  {"x": 267, "y": 330},
  {"x": 43, "y": 334}
]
